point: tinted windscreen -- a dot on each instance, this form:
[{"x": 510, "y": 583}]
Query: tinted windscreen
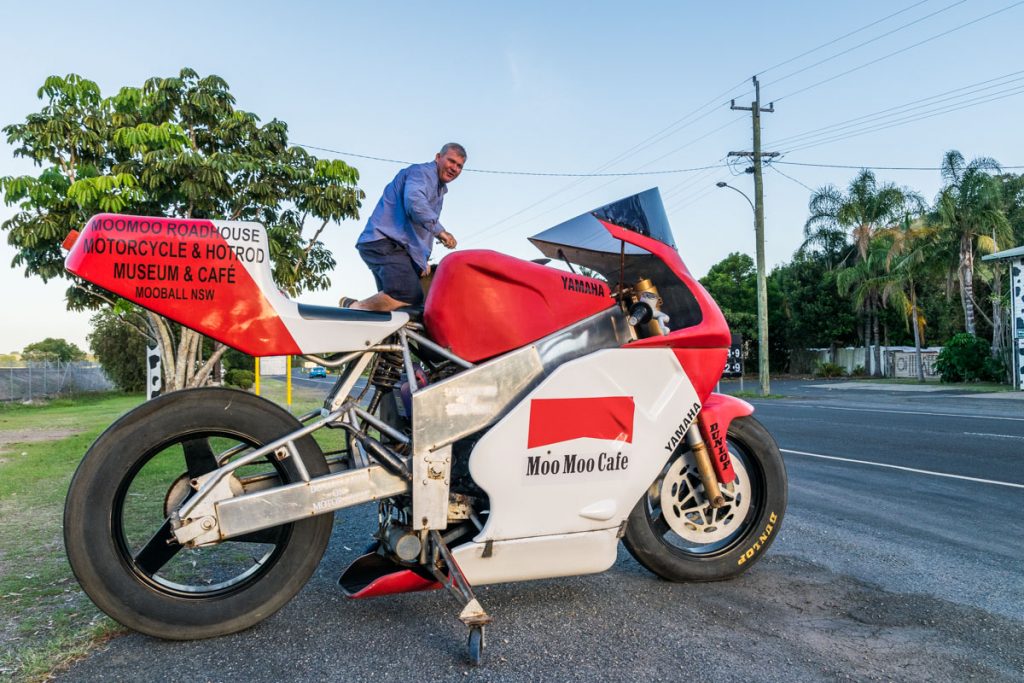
[{"x": 642, "y": 213}]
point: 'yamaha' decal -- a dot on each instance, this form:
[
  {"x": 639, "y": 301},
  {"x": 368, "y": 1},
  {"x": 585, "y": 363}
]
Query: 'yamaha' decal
[
  {"x": 575, "y": 284},
  {"x": 680, "y": 432}
]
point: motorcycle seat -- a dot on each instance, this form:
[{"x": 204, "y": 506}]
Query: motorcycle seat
[{"x": 311, "y": 312}]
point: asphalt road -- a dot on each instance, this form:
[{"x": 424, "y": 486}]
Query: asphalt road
[{"x": 901, "y": 558}]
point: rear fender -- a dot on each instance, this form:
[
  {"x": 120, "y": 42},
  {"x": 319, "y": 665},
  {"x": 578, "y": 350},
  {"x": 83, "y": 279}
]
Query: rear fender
[{"x": 715, "y": 417}]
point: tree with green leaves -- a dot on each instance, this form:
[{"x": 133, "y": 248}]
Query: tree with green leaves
[
  {"x": 864, "y": 282},
  {"x": 970, "y": 212},
  {"x": 53, "y": 350},
  {"x": 809, "y": 311},
  {"x": 866, "y": 208},
  {"x": 173, "y": 146},
  {"x": 732, "y": 283},
  {"x": 911, "y": 258},
  {"x": 1013, "y": 205},
  {"x": 120, "y": 348}
]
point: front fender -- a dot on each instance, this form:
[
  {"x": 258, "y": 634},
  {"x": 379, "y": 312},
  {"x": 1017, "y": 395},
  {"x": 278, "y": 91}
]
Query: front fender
[{"x": 716, "y": 415}]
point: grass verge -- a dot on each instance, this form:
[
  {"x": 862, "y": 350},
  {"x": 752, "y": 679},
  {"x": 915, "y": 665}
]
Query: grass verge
[
  {"x": 971, "y": 387},
  {"x": 46, "y": 621},
  {"x": 45, "y": 618},
  {"x": 756, "y": 394}
]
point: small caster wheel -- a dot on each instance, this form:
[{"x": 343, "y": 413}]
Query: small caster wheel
[{"x": 476, "y": 645}]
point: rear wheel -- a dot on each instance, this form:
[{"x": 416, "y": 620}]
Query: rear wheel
[
  {"x": 673, "y": 530},
  {"x": 118, "y": 534}
]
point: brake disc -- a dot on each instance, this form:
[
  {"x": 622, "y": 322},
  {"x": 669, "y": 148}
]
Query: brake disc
[{"x": 686, "y": 509}]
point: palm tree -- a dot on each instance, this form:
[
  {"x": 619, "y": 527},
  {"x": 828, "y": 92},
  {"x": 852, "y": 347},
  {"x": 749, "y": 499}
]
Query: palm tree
[
  {"x": 864, "y": 281},
  {"x": 969, "y": 210},
  {"x": 866, "y": 208},
  {"x": 910, "y": 257}
]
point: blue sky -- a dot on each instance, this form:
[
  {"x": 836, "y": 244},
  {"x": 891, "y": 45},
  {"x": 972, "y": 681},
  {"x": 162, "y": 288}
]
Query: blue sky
[{"x": 551, "y": 87}]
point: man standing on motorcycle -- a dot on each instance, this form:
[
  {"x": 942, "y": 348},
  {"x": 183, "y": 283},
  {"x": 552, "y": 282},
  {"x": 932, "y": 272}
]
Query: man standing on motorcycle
[{"x": 399, "y": 236}]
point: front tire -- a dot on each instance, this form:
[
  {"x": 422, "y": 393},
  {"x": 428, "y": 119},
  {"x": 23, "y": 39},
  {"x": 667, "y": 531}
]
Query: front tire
[
  {"x": 675, "y": 533},
  {"x": 118, "y": 536}
]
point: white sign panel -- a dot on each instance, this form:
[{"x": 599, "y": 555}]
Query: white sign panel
[{"x": 273, "y": 365}]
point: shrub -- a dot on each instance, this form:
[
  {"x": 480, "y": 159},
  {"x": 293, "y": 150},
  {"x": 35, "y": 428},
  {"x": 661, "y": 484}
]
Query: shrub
[
  {"x": 967, "y": 358},
  {"x": 243, "y": 379},
  {"x": 120, "y": 349},
  {"x": 859, "y": 371},
  {"x": 828, "y": 370}
]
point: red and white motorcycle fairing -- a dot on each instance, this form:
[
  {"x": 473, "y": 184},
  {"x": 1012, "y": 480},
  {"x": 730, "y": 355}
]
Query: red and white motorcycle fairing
[{"x": 548, "y": 521}]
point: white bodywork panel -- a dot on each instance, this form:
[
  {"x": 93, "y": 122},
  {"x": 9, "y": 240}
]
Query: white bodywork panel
[
  {"x": 312, "y": 336},
  {"x": 528, "y": 499},
  {"x": 541, "y": 557}
]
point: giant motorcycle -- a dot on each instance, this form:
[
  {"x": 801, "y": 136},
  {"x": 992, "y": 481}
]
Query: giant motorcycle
[{"x": 517, "y": 427}]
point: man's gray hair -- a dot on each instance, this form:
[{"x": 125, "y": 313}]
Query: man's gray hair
[{"x": 453, "y": 147}]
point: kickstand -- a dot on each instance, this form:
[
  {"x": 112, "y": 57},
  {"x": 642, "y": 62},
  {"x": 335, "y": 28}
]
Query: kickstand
[{"x": 472, "y": 614}]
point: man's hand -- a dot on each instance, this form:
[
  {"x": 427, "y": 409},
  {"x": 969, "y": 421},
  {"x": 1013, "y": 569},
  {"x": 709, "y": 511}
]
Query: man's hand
[{"x": 447, "y": 239}]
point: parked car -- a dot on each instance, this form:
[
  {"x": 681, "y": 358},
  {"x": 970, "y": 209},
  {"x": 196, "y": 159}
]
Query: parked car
[{"x": 318, "y": 371}]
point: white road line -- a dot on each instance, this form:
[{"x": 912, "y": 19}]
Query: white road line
[
  {"x": 998, "y": 436},
  {"x": 905, "y": 469},
  {"x": 913, "y": 412}
]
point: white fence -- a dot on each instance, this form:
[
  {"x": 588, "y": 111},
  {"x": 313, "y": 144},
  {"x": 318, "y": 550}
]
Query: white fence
[
  {"x": 27, "y": 381},
  {"x": 897, "y": 361}
]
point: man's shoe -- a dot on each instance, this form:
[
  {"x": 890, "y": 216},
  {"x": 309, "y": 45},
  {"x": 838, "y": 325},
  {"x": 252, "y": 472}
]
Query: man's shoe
[{"x": 346, "y": 301}]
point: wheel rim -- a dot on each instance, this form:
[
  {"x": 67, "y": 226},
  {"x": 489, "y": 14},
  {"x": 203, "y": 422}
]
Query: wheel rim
[
  {"x": 683, "y": 519},
  {"x": 141, "y": 529}
]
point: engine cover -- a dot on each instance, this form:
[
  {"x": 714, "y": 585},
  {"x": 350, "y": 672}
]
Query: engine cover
[{"x": 482, "y": 303}]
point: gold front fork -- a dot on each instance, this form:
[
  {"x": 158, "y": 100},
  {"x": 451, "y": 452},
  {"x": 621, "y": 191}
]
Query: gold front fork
[{"x": 707, "y": 472}]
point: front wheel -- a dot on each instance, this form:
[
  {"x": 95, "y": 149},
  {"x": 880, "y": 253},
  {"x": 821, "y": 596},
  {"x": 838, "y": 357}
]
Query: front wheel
[
  {"x": 673, "y": 530},
  {"x": 117, "y": 527}
]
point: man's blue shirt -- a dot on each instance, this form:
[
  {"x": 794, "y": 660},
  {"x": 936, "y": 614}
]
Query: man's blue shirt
[{"x": 408, "y": 212}]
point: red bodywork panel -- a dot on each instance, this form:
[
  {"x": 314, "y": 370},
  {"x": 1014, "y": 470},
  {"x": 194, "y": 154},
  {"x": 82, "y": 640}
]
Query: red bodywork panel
[
  {"x": 402, "y": 581},
  {"x": 185, "y": 270},
  {"x": 716, "y": 415},
  {"x": 482, "y": 303},
  {"x": 712, "y": 331},
  {"x": 609, "y": 418},
  {"x": 701, "y": 349}
]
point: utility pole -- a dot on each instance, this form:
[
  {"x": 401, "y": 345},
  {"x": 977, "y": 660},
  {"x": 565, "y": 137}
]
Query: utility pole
[{"x": 755, "y": 110}]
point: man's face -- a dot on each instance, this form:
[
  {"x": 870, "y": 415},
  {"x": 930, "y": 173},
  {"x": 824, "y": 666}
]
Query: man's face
[{"x": 449, "y": 165}]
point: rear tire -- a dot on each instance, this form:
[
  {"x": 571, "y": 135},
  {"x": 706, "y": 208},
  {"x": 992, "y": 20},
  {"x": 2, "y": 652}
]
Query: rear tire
[
  {"x": 674, "y": 532},
  {"x": 118, "y": 539}
]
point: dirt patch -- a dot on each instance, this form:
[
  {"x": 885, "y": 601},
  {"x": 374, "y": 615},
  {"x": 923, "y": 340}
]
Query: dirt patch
[{"x": 10, "y": 437}]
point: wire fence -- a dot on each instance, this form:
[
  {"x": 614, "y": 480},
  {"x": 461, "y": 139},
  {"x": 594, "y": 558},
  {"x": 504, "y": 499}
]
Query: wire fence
[{"x": 29, "y": 381}]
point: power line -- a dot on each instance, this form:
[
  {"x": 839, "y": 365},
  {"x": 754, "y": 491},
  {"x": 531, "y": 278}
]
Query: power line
[
  {"x": 866, "y": 42},
  {"x": 476, "y": 235},
  {"x": 873, "y": 167},
  {"x": 691, "y": 201},
  {"x": 992, "y": 97},
  {"x": 526, "y": 173},
  {"x": 785, "y": 175},
  {"x": 869, "y": 120},
  {"x": 842, "y": 37},
  {"x": 905, "y": 107},
  {"x": 660, "y": 135},
  {"x": 687, "y": 185},
  {"x": 901, "y": 50},
  {"x": 643, "y": 144}
]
